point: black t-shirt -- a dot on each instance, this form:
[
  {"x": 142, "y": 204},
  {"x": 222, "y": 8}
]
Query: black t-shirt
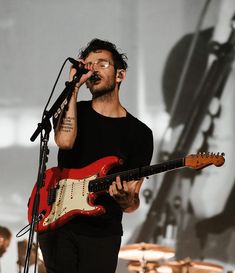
[{"x": 99, "y": 136}]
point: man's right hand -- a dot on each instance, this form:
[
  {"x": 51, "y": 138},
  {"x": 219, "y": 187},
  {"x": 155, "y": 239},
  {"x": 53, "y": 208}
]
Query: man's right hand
[{"x": 83, "y": 78}]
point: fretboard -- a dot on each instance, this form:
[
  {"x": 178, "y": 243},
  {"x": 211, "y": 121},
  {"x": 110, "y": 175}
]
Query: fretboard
[{"x": 103, "y": 183}]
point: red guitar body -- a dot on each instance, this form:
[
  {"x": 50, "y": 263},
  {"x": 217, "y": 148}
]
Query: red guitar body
[{"x": 71, "y": 194}]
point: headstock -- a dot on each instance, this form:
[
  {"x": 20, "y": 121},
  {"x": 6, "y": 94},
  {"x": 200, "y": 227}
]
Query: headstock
[{"x": 202, "y": 160}]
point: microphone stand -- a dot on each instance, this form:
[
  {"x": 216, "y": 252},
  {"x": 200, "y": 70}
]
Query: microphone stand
[{"x": 45, "y": 128}]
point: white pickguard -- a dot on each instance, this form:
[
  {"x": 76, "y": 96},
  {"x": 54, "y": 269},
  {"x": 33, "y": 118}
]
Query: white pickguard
[{"x": 71, "y": 195}]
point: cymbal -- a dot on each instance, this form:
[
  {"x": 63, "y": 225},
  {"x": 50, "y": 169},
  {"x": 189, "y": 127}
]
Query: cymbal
[
  {"x": 135, "y": 266},
  {"x": 207, "y": 266},
  {"x": 188, "y": 266},
  {"x": 146, "y": 252}
]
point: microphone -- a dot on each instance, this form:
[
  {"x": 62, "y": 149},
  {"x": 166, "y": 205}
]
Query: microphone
[
  {"x": 81, "y": 70},
  {"x": 78, "y": 65}
]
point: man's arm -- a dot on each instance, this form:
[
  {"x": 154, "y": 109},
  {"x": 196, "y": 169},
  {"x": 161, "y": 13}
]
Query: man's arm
[{"x": 66, "y": 129}]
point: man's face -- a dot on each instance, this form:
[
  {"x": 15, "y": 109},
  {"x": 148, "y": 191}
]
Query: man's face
[
  {"x": 4, "y": 244},
  {"x": 106, "y": 82}
]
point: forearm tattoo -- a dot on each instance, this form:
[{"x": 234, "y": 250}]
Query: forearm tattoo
[{"x": 67, "y": 124}]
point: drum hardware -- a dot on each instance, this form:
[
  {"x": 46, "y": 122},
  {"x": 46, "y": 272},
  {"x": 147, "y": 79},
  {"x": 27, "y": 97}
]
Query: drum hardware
[
  {"x": 148, "y": 258},
  {"x": 22, "y": 246},
  {"x": 143, "y": 257},
  {"x": 189, "y": 266},
  {"x": 147, "y": 267}
]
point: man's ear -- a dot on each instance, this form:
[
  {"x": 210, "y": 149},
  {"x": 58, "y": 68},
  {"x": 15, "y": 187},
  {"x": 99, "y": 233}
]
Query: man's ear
[{"x": 120, "y": 75}]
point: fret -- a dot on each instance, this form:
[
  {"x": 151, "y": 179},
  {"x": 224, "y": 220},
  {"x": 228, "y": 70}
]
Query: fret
[{"x": 103, "y": 183}]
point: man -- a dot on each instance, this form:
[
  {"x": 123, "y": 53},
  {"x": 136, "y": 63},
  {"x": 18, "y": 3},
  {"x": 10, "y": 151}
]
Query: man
[
  {"x": 5, "y": 240},
  {"x": 86, "y": 132}
]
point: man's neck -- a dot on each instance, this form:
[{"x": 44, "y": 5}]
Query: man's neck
[{"x": 109, "y": 106}]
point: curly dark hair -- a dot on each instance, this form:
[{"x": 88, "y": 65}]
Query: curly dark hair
[
  {"x": 119, "y": 59},
  {"x": 5, "y": 233}
]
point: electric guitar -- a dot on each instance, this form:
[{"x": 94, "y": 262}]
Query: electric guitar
[{"x": 68, "y": 192}]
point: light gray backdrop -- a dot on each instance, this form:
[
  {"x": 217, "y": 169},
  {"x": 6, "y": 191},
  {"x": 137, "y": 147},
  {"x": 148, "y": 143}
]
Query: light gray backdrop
[{"x": 37, "y": 36}]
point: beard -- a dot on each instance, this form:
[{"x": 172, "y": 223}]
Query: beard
[
  {"x": 103, "y": 90},
  {"x": 100, "y": 92}
]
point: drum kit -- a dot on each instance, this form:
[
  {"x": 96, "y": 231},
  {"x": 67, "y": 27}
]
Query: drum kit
[
  {"x": 151, "y": 258},
  {"x": 141, "y": 257}
]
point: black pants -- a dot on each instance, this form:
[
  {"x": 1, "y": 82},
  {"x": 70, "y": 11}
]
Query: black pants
[{"x": 64, "y": 251}]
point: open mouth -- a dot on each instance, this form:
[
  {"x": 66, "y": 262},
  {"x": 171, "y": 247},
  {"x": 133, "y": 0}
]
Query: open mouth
[{"x": 94, "y": 78}]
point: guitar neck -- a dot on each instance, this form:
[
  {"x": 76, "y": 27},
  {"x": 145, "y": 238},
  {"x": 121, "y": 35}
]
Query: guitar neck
[{"x": 103, "y": 183}]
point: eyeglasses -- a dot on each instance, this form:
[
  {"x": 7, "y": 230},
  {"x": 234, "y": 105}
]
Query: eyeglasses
[{"x": 100, "y": 64}]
